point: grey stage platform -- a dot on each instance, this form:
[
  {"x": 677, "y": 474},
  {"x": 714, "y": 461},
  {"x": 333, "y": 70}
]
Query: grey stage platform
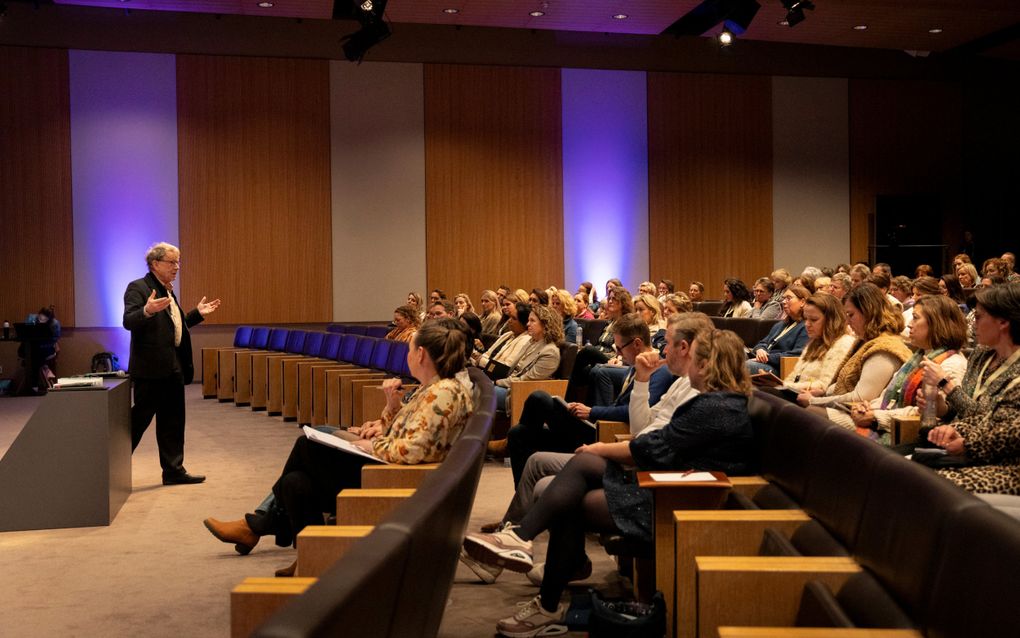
[{"x": 71, "y": 464}]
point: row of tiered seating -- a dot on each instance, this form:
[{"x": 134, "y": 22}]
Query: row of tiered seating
[
  {"x": 388, "y": 572},
  {"x": 378, "y": 331},
  {"x": 842, "y": 533},
  {"x": 305, "y": 376},
  {"x": 750, "y": 330}
]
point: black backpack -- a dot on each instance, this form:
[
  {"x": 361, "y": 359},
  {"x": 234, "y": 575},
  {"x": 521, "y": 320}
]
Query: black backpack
[{"x": 105, "y": 362}]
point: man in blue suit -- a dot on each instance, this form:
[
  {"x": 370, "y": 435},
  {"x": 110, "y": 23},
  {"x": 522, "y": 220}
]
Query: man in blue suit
[
  {"x": 550, "y": 425},
  {"x": 161, "y": 364}
]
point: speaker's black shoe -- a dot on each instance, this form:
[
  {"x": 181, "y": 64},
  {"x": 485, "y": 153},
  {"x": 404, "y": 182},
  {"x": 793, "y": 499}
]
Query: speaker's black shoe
[{"x": 183, "y": 479}]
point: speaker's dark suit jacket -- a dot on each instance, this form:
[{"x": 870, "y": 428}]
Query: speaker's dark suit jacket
[{"x": 153, "y": 355}]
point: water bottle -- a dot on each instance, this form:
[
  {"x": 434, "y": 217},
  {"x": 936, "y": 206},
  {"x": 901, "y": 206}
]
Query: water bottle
[
  {"x": 929, "y": 417},
  {"x": 7, "y": 330}
]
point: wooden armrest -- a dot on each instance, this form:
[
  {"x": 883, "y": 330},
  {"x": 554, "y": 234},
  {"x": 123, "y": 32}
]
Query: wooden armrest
[
  {"x": 368, "y": 506},
  {"x": 748, "y": 485},
  {"x": 256, "y": 599},
  {"x": 607, "y": 431},
  {"x": 719, "y": 533},
  {"x": 395, "y": 476},
  {"x": 786, "y": 366},
  {"x": 620, "y": 438},
  {"x": 669, "y": 496},
  {"x": 814, "y": 632},
  {"x": 319, "y": 546},
  {"x": 760, "y": 590},
  {"x": 521, "y": 390},
  {"x": 905, "y": 429}
]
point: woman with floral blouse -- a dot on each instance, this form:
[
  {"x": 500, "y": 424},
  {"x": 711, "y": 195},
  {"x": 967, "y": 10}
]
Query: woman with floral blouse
[{"x": 420, "y": 428}]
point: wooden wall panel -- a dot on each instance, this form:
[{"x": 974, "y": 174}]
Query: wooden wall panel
[
  {"x": 36, "y": 230},
  {"x": 493, "y": 171},
  {"x": 709, "y": 178},
  {"x": 906, "y": 138},
  {"x": 255, "y": 186}
]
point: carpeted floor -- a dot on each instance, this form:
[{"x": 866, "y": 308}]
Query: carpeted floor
[{"x": 156, "y": 571}]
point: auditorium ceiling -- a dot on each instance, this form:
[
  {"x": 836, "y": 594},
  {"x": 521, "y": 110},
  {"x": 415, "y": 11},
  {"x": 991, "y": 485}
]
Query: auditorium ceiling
[{"x": 986, "y": 27}]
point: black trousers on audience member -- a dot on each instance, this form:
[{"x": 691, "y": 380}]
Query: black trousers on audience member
[
  {"x": 573, "y": 503},
  {"x": 580, "y": 375},
  {"x": 565, "y": 432},
  {"x": 310, "y": 480},
  {"x": 164, "y": 399}
]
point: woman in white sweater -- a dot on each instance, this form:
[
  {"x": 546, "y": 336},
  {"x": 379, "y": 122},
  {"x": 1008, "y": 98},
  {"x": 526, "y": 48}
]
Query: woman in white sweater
[{"x": 827, "y": 348}]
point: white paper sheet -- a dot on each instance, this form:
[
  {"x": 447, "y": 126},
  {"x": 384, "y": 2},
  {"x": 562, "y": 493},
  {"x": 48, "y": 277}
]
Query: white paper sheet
[
  {"x": 672, "y": 477},
  {"x": 338, "y": 443}
]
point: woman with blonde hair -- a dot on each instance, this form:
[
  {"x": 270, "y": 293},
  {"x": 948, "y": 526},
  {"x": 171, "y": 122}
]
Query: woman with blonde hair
[
  {"x": 596, "y": 490},
  {"x": 463, "y": 303},
  {"x": 648, "y": 307},
  {"x": 877, "y": 355},
  {"x": 490, "y": 312},
  {"x": 416, "y": 300},
  {"x": 676, "y": 302},
  {"x": 405, "y": 322},
  {"x": 561, "y": 302},
  {"x": 967, "y": 275},
  {"x": 540, "y": 358}
]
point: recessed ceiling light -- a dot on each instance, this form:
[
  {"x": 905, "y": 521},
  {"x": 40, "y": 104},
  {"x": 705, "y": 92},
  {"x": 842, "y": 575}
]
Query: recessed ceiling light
[
  {"x": 935, "y": 30},
  {"x": 451, "y": 10},
  {"x": 861, "y": 27},
  {"x": 620, "y": 16},
  {"x": 265, "y": 4},
  {"x": 537, "y": 14},
  {"x": 784, "y": 23}
]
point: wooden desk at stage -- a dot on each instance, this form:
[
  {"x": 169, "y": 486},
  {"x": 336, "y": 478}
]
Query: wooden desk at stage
[{"x": 71, "y": 464}]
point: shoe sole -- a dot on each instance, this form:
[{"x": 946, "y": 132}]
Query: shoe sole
[
  {"x": 479, "y": 570},
  {"x": 583, "y": 574},
  {"x": 548, "y": 630},
  {"x": 240, "y": 548},
  {"x": 515, "y": 560}
]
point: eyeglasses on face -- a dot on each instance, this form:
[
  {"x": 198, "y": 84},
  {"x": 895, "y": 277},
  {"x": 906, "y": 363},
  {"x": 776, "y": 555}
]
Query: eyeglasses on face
[
  {"x": 176, "y": 263},
  {"x": 620, "y": 349}
]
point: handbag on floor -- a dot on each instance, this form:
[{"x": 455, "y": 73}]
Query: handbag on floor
[{"x": 626, "y": 619}]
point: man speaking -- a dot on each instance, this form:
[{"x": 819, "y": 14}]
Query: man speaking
[{"x": 160, "y": 364}]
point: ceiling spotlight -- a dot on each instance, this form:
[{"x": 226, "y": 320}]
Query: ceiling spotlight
[
  {"x": 725, "y": 38},
  {"x": 536, "y": 14},
  {"x": 861, "y": 27},
  {"x": 935, "y": 30},
  {"x": 451, "y": 10},
  {"x": 795, "y": 10},
  {"x": 620, "y": 16},
  {"x": 373, "y": 30},
  {"x": 264, "y": 4}
]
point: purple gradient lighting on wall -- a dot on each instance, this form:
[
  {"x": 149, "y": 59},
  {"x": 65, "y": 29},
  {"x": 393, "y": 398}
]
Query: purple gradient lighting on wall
[
  {"x": 123, "y": 174},
  {"x": 605, "y": 177}
]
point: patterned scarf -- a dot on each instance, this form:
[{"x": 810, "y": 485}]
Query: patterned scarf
[{"x": 903, "y": 388}]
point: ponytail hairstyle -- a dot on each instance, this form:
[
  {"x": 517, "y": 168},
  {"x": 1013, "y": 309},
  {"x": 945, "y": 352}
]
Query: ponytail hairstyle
[{"x": 445, "y": 342}]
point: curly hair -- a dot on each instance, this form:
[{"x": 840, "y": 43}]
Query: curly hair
[
  {"x": 722, "y": 354},
  {"x": 552, "y": 323}
]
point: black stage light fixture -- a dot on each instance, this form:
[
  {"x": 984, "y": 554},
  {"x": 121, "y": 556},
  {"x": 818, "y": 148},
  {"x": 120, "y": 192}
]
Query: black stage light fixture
[
  {"x": 736, "y": 13},
  {"x": 795, "y": 10},
  {"x": 368, "y": 13}
]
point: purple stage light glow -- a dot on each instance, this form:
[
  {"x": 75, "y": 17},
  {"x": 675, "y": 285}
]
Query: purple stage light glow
[
  {"x": 123, "y": 174},
  {"x": 605, "y": 177}
]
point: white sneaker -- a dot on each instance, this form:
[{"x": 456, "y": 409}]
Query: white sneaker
[
  {"x": 487, "y": 573},
  {"x": 503, "y": 549},
  {"x": 531, "y": 620}
]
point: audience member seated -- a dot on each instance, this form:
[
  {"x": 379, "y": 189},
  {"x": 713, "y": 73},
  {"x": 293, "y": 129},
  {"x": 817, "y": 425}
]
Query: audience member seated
[
  {"x": 764, "y": 306},
  {"x": 823, "y": 284},
  {"x": 646, "y": 414},
  {"x": 435, "y": 296},
  {"x": 507, "y": 307},
  {"x": 538, "y": 297},
  {"x": 463, "y": 303},
  {"x": 676, "y": 302},
  {"x": 859, "y": 274},
  {"x": 696, "y": 291},
  {"x": 611, "y": 285},
  {"x": 595, "y": 491},
  {"x": 665, "y": 288},
  {"x": 994, "y": 267},
  {"x": 589, "y": 291},
  {"x": 405, "y": 322},
  {"x": 922, "y": 286},
  {"x": 511, "y": 342},
  {"x": 902, "y": 289},
  {"x": 491, "y": 315},
  {"x": 647, "y": 288},
  {"x": 884, "y": 282},
  {"x": 967, "y": 275},
  {"x": 806, "y": 281},
  {"x": 539, "y": 358},
  {"x": 651, "y": 312},
  {"x": 442, "y": 309},
  {"x": 415, "y": 300},
  {"x": 840, "y": 285},
  {"x": 561, "y": 302},
  {"x": 1011, "y": 274},
  {"x": 950, "y": 286},
  {"x": 582, "y": 311},
  {"x": 473, "y": 326},
  {"x": 780, "y": 279},
  {"x": 618, "y": 303},
  {"x": 786, "y": 339},
  {"x": 962, "y": 258},
  {"x": 420, "y": 430},
  {"x": 827, "y": 348},
  {"x": 938, "y": 331},
  {"x": 550, "y": 424},
  {"x": 924, "y": 270},
  {"x": 736, "y": 299},
  {"x": 876, "y": 357},
  {"x": 985, "y": 408}
]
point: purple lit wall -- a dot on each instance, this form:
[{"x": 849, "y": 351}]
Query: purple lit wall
[
  {"x": 124, "y": 174},
  {"x": 605, "y": 177}
]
